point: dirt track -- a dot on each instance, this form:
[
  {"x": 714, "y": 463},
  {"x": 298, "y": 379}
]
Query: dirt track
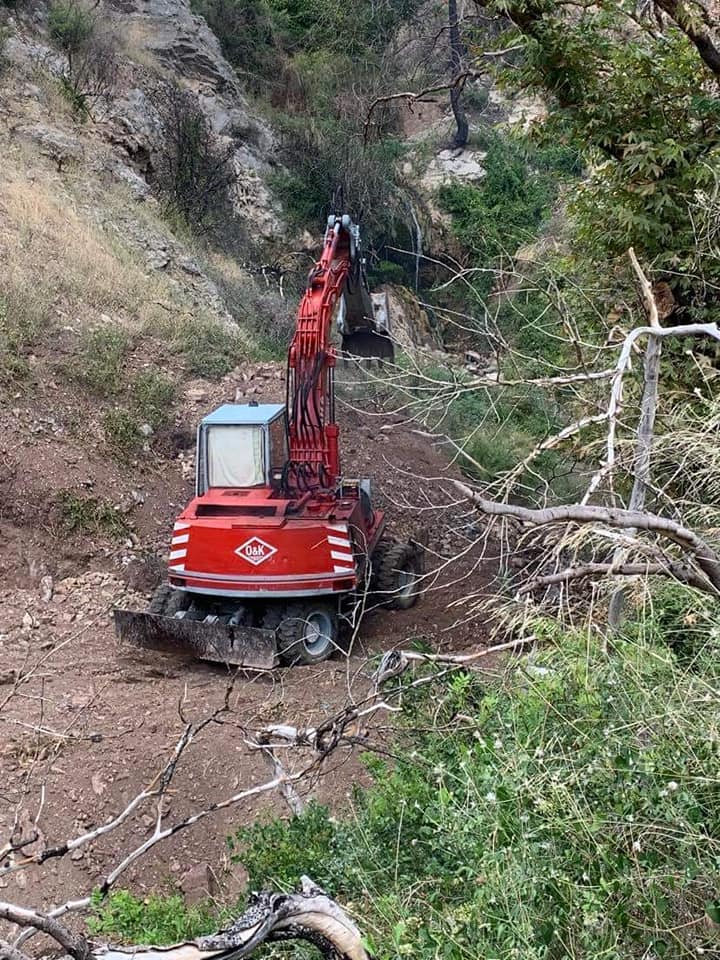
[{"x": 98, "y": 720}]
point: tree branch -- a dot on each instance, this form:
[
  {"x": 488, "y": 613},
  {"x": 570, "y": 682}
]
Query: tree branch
[
  {"x": 705, "y": 557},
  {"x": 76, "y": 947}
]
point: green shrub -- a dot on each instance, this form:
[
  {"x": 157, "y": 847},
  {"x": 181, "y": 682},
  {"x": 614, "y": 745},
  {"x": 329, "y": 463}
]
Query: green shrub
[
  {"x": 90, "y": 49},
  {"x": 99, "y": 364},
  {"x": 509, "y": 206},
  {"x": 122, "y": 432},
  {"x": 267, "y": 850},
  {"x": 569, "y": 810},
  {"x": 80, "y": 514},
  {"x": 71, "y": 25},
  {"x": 155, "y": 920},
  {"x": 152, "y": 396},
  {"x": 385, "y": 271}
]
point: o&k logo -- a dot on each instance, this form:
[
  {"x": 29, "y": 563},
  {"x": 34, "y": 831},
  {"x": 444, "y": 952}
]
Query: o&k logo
[{"x": 255, "y": 551}]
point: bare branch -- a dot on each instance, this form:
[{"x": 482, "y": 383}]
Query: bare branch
[
  {"x": 676, "y": 570},
  {"x": 308, "y": 915},
  {"x": 76, "y": 947},
  {"x": 702, "y": 553}
]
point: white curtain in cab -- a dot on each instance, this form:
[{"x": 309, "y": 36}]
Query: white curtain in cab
[{"x": 235, "y": 457}]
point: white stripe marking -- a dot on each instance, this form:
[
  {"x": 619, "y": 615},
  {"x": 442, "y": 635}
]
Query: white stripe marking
[
  {"x": 177, "y": 566},
  {"x": 182, "y": 539},
  {"x": 178, "y": 554},
  {"x": 344, "y": 569},
  {"x": 340, "y": 542},
  {"x": 336, "y": 555},
  {"x": 339, "y": 527},
  {"x": 182, "y": 526}
]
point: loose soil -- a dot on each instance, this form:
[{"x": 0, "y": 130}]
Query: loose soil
[{"x": 97, "y": 720}]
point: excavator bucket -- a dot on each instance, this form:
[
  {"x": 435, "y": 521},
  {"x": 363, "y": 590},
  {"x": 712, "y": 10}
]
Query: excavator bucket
[
  {"x": 367, "y": 345},
  {"x": 370, "y": 340},
  {"x": 250, "y": 647}
]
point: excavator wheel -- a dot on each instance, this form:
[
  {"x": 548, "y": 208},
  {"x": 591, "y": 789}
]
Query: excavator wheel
[
  {"x": 166, "y": 602},
  {"x": 306, "y": 632},
  {"x": 396, "y": 574}
]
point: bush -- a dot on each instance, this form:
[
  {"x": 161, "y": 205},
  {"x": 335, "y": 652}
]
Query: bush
[
  {"x": 210, "y": 349},
  {"x": 90, "y": 49},
  {"x": 192, "y": 171},
  {"x": 122, "y": 432},
  {"x": 247, "y": 36},
  {"x": 267, "y": 850},
  {"x": 89, "y": 515},
  {"x": 508, "y": 208},
  {"x": 385, "y": 271},
  {"x": 152, "y": 396}
]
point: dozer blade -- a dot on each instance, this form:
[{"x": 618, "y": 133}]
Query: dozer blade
[{"x": 240, "y": 646}]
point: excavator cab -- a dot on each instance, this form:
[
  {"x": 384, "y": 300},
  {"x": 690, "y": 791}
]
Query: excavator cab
[{"x": 241, "y": 446}]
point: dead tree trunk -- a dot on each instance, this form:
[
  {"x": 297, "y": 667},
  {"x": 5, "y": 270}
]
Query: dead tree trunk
[
  {"x": 646, "y": 427},
  {"x": 456, "y": 56}
]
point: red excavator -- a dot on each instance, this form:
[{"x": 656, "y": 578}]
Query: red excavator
[{"x": 278, "y": 549}]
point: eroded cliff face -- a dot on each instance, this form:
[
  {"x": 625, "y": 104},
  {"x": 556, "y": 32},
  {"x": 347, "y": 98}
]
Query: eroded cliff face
[
  {"x": 162, "y": 42},
  {"x": 167, "y": 33}
]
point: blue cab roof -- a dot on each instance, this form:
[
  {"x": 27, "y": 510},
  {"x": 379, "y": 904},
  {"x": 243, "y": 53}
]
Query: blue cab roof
[{"x": 243, "y": 413}]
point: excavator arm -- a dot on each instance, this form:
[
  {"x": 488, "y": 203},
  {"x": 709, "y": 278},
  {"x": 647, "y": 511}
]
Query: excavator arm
[{"x": 337, "y": 291}]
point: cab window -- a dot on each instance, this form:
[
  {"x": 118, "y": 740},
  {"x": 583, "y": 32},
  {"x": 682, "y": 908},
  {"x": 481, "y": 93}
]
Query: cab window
[{"x": 236, "y": 457}]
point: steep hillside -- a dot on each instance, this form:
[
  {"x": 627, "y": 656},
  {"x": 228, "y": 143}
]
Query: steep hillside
[{"x": 127, "y": 311}]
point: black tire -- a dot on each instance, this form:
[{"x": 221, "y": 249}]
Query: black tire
[
  {"x": 166, "y": 601},
  {"x": 307, "y": 632},
  {"x": 396, "y": 572}
]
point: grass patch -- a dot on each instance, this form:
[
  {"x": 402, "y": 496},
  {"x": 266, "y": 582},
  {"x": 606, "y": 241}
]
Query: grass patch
[
  {"x": 19, "y": 323},
  {"x": 209, "y": 348},
  {"x": 80, "y": 514},
  {"x": 156, "y": 920},
  {"x": 99, "y": 364},
  {"x": 49, "y": 248},
  {"x": 150, "y": 404}
]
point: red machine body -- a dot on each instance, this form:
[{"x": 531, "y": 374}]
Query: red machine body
[{"x": 275, "y": 548}]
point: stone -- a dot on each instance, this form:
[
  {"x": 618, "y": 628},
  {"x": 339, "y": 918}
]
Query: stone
[
  {"x": 197, "y": 394},
  {"x": 465, "y": 166},
  {"x": 46, "y": 588},
  {"x": 199, "y": 883},
  {"x": 52, "y": 142}
]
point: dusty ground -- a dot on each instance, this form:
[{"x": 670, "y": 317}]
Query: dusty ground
[{"x": 97, "y": 720}]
